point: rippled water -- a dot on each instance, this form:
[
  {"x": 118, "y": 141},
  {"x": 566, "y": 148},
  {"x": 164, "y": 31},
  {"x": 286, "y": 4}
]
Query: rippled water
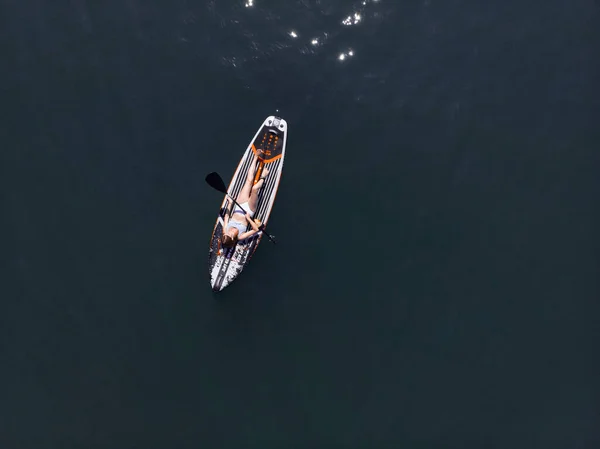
[
  {"x": 286, "y": 50},
  {"x": 307, "y": 28}
]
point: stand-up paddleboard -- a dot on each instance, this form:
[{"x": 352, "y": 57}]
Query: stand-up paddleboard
[{"x": 226, "y": 264}]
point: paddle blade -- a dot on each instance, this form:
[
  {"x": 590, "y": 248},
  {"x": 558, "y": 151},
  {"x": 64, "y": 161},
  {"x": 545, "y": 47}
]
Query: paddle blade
[{"x": 214, "y": 180}]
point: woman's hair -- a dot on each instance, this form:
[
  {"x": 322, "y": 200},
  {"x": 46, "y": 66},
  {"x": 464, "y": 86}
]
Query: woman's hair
[{"x": 227, "y": 241}]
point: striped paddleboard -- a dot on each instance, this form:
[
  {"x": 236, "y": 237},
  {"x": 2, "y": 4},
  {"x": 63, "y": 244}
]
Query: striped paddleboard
[{"x": 226, "y": 264}]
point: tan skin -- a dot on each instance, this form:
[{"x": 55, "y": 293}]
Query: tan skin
[{"x": 249, "y": 193}]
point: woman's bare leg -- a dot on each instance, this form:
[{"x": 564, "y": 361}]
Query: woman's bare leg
[
  {"x": 246, "y": 190},
  {"x": 253, "y": 200}
]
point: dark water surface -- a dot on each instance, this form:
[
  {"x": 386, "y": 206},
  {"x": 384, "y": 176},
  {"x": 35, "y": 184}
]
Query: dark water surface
[{"x": 436, "y": 281}]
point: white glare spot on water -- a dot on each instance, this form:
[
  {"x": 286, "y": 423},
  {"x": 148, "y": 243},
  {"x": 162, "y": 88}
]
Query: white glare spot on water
[
  {"x": 315, "y": 41},
  {"x": 249, "y": 3},
  {"x": 352, "y": 20},
  {"x": 348, "y": 54},
  {"x": 293, "y": 34}
]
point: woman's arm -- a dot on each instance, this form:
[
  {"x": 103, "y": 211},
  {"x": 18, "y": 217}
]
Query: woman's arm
[
  {"x": 254, "y": 230},
  {"x": 226, "y": 220},
  {"x": 251, "y": 221}
]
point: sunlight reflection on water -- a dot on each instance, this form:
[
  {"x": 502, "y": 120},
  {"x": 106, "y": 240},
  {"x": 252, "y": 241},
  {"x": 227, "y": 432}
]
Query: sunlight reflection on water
[{"x": 307, "y": 29}]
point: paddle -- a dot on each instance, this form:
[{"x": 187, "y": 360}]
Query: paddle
[{"x": 214, "y": 180}]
